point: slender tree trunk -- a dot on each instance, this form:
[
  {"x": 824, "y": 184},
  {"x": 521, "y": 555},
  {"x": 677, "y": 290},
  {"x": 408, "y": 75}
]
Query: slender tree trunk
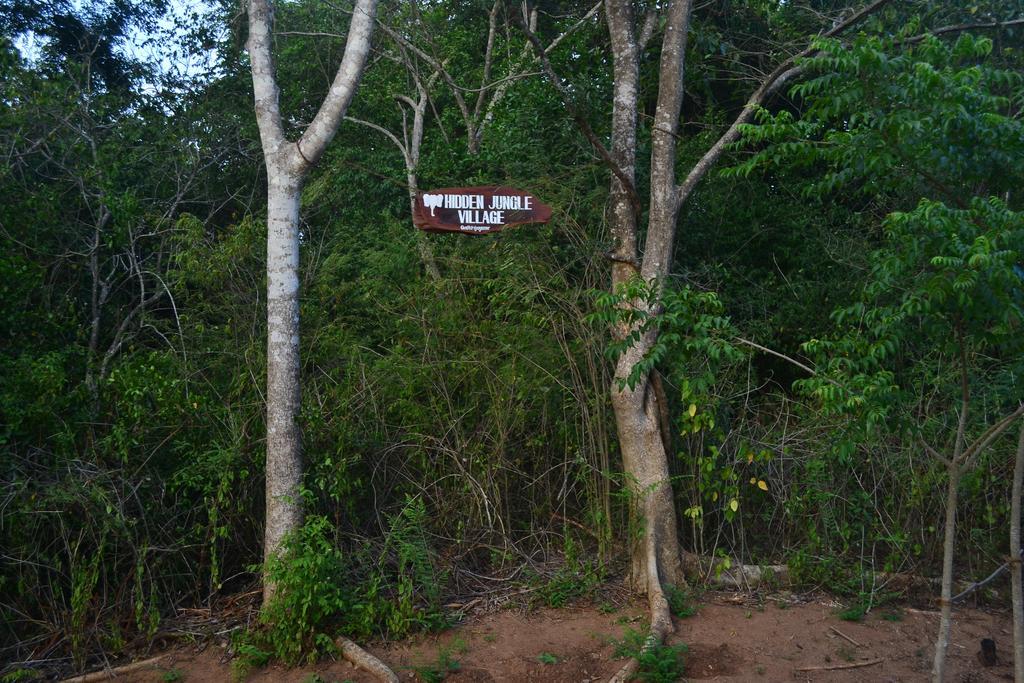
[
  {"x": 1015, "y": 562},
  {"x": 636, "y": 411},
  {"x": 625, "y": 88},
  {"x": 646, "y": 465},
  {"x": 637, "y": 416},
  {"x": 284, "y": 453},
  {"x": 946, "y": 602},
  {"x": 422, "y": 243},
  {"x": 288, "y": 163}
]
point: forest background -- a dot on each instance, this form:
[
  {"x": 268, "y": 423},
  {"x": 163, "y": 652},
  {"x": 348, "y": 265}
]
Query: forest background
[{"x": 455, "y": 412}]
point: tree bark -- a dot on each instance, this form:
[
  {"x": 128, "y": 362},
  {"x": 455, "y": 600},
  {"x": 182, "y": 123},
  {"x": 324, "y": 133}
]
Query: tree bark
[
  {"x": 412, "y": 162},
  {"x": 946, "y": 601},
  {"x": 954, "y": 468},
  {"x": 288, "y": 164},
  {"x": 657, "y": 560},
  {"x": 625, "y": 89},
  {"x": 1015, "y": 562},
  {"x": 644, "y": 458},
  {"x": 284, "y": 452}
]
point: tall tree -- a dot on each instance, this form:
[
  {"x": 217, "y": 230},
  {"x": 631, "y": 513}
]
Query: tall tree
[
  {"x": 1016, "y": 586},
  {"x": 288, "y": 164},
  {"x": 638, "y": 404},
  {"x": 945, "y": 283}
]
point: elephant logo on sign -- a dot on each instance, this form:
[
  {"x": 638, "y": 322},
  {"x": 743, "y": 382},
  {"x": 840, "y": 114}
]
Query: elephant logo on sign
[{"x": 432, "y": 201}]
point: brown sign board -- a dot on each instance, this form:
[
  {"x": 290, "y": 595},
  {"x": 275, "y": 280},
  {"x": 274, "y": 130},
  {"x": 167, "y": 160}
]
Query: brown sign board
[{"x": 476, "y": 210}]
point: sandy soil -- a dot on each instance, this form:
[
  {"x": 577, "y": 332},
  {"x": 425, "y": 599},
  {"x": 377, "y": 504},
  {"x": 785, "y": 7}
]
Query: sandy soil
[{"x": 733, "y": 637}]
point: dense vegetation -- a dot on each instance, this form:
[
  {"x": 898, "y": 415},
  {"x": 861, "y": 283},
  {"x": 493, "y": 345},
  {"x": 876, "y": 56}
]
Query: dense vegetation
[{"x": 868, "y": 225}]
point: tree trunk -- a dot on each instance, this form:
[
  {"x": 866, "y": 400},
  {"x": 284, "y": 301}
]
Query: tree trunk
[
  {"x": 288, "y": 164},
  {"x": 422, "y": 243},
  {"x": 1015, "y": 562},
  {"x": 644, "y": 458},
  {"x": 636, "y": 410},
  {"x": 946, "y": 615},
  {"x": 625, "y": 88},
  {"x": 284, "y": 455},
  {"x": 646, "y": 465}
]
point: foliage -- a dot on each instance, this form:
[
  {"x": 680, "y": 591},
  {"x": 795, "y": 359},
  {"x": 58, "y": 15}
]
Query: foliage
[
  {"x": 681, "y": 601},
  {"x": 690, "y": 325},
  {"x": 922, "y": 127},
  {"x": 458, "y": 423},
  {"x": 445, "y": 664},
  {"x": 949, "y": 278},
  {"x": 319, "y": 591},
  {"x": 945, "y": 282},
  {"x": 890, "y": 115},
  {"x": 658, "y": 663},
  {"x": 576, "y": 576},
  {"x": 310, "y": 577}
]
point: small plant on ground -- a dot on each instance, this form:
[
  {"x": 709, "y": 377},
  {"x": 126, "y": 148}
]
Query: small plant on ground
[
  {"x": 681, "y": 601},
  {"x": 445, "y": 664},
  {"x": 547, "y": 658},
  {"x": 247, "y": 658},
  {"x": 310, "y": 595},
  {"x": 576, "y": 577},
  {"x": 173, "y": 676},
  {"x": 319, "y": 593},
  {"x": 866, "y": 601},
  {"x": 658, "y": 663},
  {"x": 854, "y": 612}
]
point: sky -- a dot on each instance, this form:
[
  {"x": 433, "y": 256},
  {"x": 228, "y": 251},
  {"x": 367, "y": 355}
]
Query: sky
[{"x": 161, "y": 48}]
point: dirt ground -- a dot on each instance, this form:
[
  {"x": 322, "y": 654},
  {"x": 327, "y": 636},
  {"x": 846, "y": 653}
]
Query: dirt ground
[{"x": 732, "y": 637}]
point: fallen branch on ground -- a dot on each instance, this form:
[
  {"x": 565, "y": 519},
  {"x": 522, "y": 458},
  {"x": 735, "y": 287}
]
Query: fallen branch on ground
[
  {"x": 840, "y": 667},
  {"x": 107, "y": 674},
  {"x": 844, "y": 636},
  {"x": 734, "y": 574},
  {"x": 718, "y": 571},
  {"x": 363, "y": 659}
]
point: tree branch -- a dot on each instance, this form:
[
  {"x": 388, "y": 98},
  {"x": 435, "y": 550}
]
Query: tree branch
[
  {"x": 435, "y": 64},
  {"x": 806, "y": 368},
  {"x": 785, "y": 72},
  {"x": 991, "y": 434},
  {"x": 963, "y": 28},
  {"x": 384, "y": 131},
  {"x": 984, "y": 582},
  {"x": 357, "y": 46},
  {"x": 581, "y": 120},
  {"x": 934, "y": 453},
  {"x": 264, "y": 83},
  {"x": 492, "y": 29},
  {"x": 965, "y": 400}
]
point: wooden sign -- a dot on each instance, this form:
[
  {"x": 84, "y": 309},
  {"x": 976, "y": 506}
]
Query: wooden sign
[{"x": 477, "y": 210}]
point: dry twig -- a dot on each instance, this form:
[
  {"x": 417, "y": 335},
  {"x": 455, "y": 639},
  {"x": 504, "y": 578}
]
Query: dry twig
[
  {"x": 840, "y": 667},
  {"x": 845, "y": 637},
  {"x": 107, "y": 674}
]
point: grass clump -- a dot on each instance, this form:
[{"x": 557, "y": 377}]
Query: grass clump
[
  {"x": 658, "y": 663},
  {"x": 445, "y": 664},
  {"x": 681, "y": 602}
]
